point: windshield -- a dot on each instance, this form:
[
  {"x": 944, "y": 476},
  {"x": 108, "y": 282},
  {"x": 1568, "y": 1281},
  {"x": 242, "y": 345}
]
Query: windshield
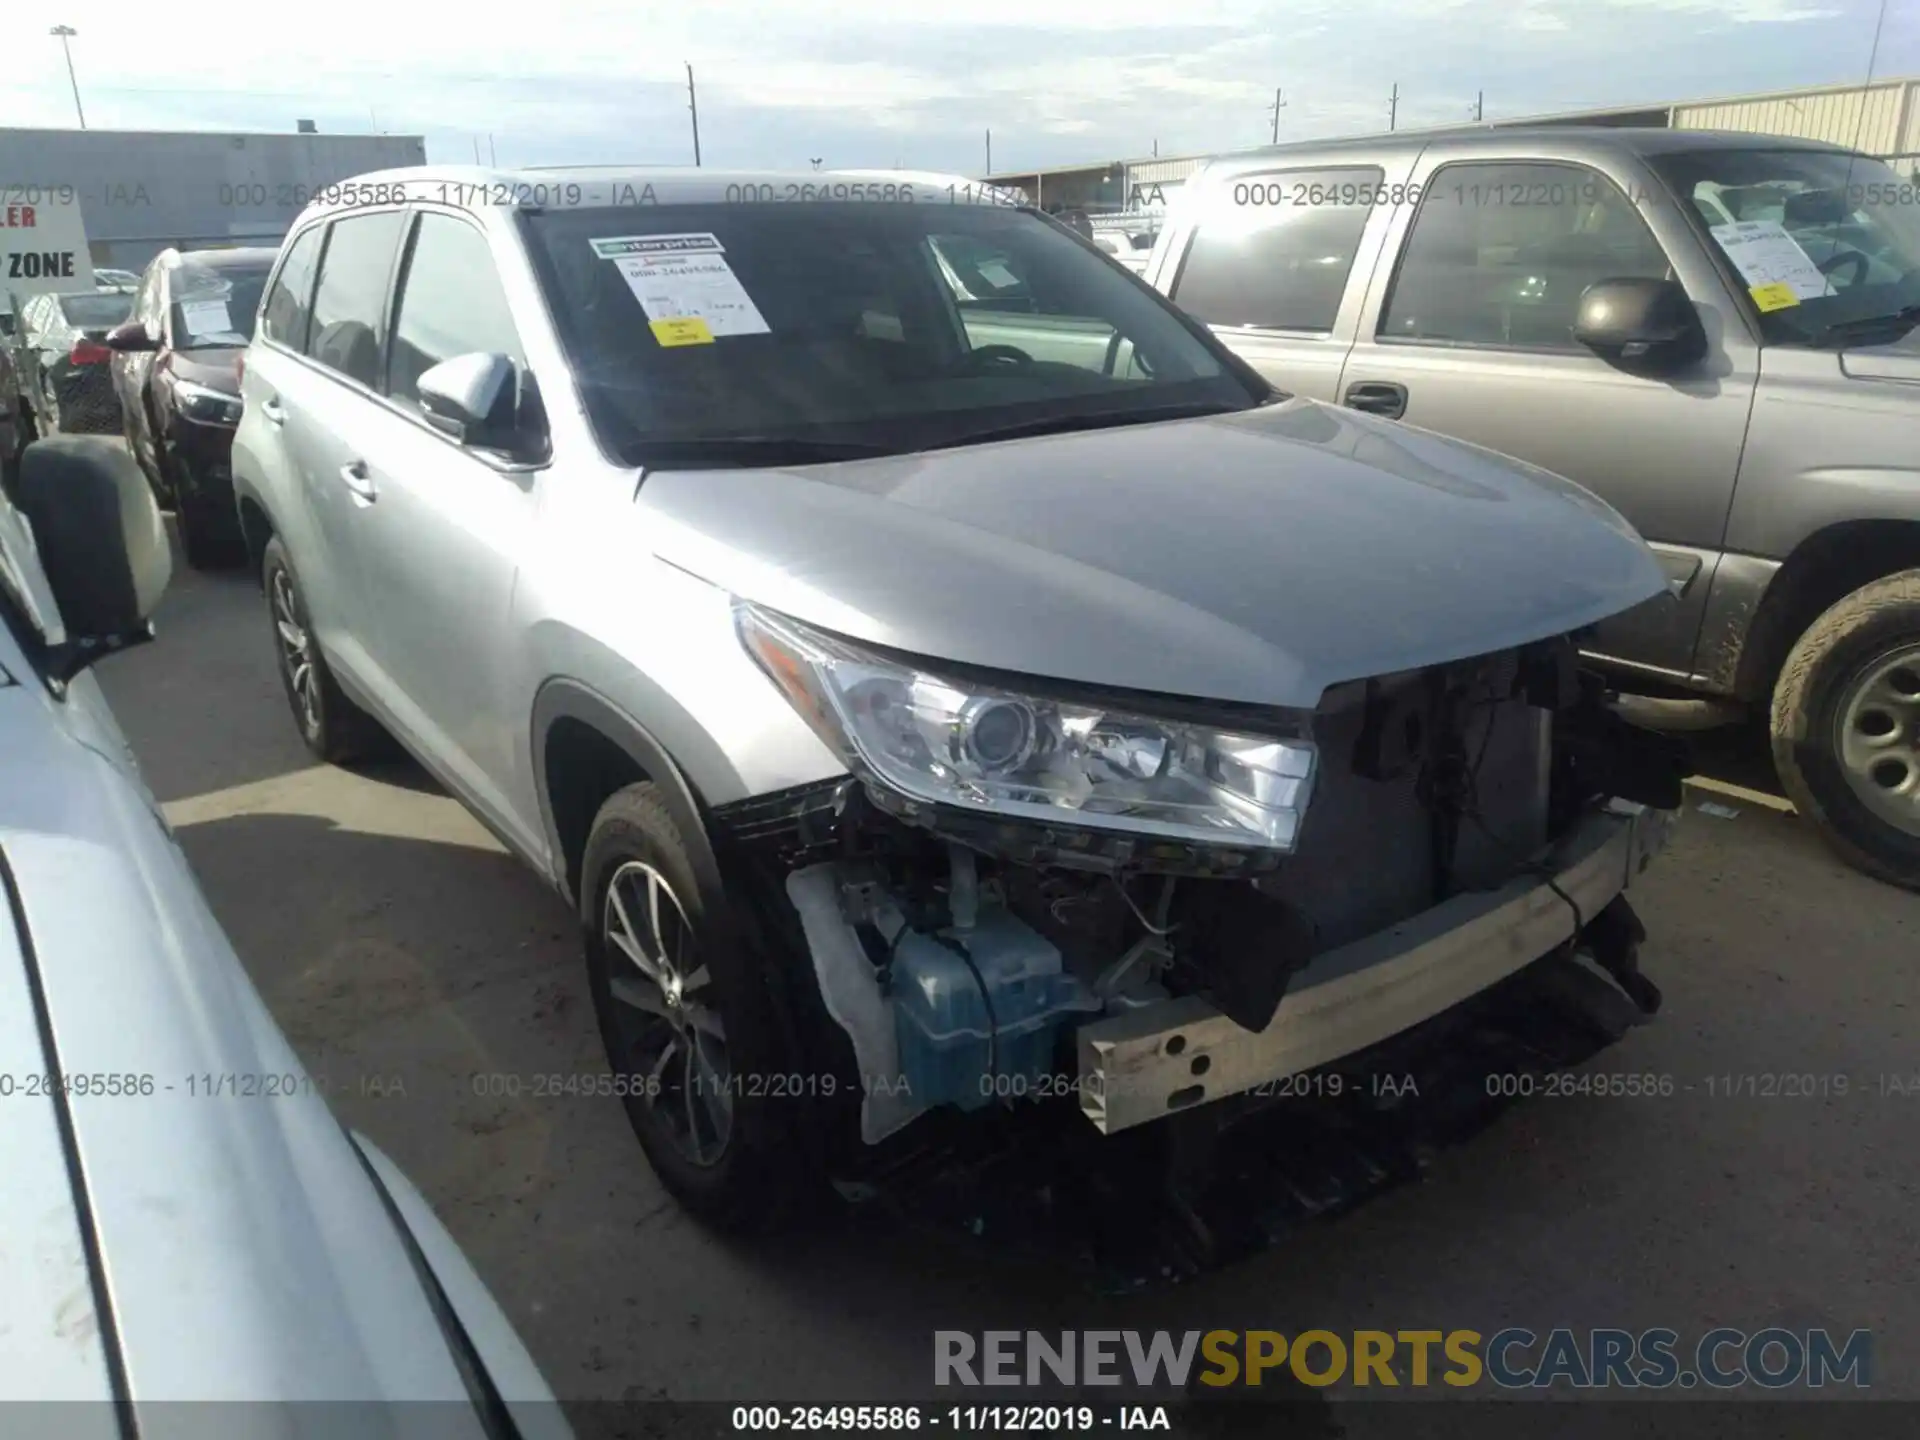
[
  {"x": 215, "y": 308},
  {"x": 95, "y": 312},
  {"x": 888, "y": 327},
  {"x": 1818, "y": 238}
]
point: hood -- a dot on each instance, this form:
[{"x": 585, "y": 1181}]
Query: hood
[
  {"x": 1897, "y": 361},
  {"x": 1256, "y": 557},
  {"x": 217, "y": 368}
]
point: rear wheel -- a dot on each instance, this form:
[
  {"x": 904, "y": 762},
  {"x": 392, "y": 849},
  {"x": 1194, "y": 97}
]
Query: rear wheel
[
  {"x": 333, "y": 727},
  {"x": 1846, "y": 727},
  {"x": 689, "y": 1029}
]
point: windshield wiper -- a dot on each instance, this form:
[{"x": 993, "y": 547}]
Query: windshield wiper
[
  {"x": 750, "y": 450},
  {"x": 1102, "y": 420},
  {"x": 1900, "y": 321}
]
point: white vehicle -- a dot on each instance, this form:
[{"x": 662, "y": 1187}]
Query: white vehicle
[{"x": 184, "y": 1217}]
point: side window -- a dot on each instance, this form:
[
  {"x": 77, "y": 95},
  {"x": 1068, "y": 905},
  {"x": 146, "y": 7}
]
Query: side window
[
  {"x": 1274, "y": 250},
  {"x": 1499, "y": 255},
  {"x": 344, "y": 332},
  {"x": 284, "y": 317},
  {"x": 451, "y": 303}
]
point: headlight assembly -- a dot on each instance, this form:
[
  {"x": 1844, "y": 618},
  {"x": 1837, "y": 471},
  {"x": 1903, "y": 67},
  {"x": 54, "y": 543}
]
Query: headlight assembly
[
  {"x": 953, "y": 742},
  {"x": 206, "y": 405}
]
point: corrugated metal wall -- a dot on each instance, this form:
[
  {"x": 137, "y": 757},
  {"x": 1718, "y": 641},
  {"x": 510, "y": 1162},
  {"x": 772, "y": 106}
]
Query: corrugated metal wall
[
  {"x": 1879, "y": 119},
  {"x": 1149, "y": 172},
  {"x": 141, "y": 191}
]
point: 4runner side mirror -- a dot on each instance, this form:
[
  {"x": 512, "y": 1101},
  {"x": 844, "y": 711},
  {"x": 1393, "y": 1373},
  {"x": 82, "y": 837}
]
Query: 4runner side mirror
[
  {"x": 97, "y": 529},
  {"x": 477, "y": 400},
  {"x": 1646, "y": 326},
  {"x": 129, "y": 337}
]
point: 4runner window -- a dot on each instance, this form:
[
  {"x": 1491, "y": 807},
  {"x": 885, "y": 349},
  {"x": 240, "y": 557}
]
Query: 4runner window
[
  {"x": 1500, "y": 254},
  {"x": 719, "y": 330},
  {"x": 1829, "y": 240},
  {"x": 288, "y": 304},
  {"x": 1273, "y": 250},
  {"x": 450, "y": 303},
  {"x": 352, "y": 293}
]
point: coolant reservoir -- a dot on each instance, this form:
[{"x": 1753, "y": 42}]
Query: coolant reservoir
[{"x": 955, "y": 1048}]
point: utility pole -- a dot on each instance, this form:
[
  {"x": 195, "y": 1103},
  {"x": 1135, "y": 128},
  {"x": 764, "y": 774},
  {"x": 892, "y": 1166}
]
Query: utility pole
[
  {"x": 1393, "y": 107},
  {"x": 492, "y": 159},
  {"x": 693, "y": 108},
  {"x": 989, "y": 152},
  {"x": 66, "y": 33},
  {"x": 1479, "y": 106},
  {"x": 1279, "y": 104}
]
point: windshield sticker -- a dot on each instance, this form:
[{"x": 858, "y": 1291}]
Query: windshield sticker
[
  {"x": 1774, "y": 297},
  {"x": 206, "y": 317},
  {"x": 684, "y": 278},
  {"x": 1766, "y": 255},
  {"x": 687, "y": 330}
]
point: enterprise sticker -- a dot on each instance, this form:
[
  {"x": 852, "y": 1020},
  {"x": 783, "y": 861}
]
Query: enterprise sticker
[{"x": 684, "y": 279}]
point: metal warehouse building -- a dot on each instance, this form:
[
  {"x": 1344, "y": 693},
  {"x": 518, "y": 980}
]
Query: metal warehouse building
[
  {"x": 1881, "y": 118},
  {"x": 143, "y": 190}
]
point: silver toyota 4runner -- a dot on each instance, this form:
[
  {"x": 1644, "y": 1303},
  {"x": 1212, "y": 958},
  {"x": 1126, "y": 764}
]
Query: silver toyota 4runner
[
  {"x": 937, "y": 671},
  {"x": 1714, "y": 332}
]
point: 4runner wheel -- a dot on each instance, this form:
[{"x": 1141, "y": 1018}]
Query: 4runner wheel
[
  {"x": 334, "y": 728},
  {"x": 688, "y": 1027},
  {"x": 1846, "y": 727}
]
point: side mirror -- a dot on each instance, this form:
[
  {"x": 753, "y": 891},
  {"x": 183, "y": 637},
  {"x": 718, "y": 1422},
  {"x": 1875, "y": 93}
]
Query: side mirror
[
  {"x": 476, "y": 399},
  {"x": 1646, "y": 326},
  {"x": 101, "y": 543},
  {"x": 130, "y": 337}
]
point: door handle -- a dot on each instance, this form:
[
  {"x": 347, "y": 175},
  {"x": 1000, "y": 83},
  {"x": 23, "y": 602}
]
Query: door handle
[
  {"x": 1378, "y": 397},
  {"x": 354, "y": 474},
  {"x": 273, "y": 412}
]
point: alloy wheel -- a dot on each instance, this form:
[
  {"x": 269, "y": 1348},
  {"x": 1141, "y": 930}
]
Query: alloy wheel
[
  {"x": 670, "y": 1029},
  {"x": 296, "y": 651},
  {"x": 1877, "y": 725}
]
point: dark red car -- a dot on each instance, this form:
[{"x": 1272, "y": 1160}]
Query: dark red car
[{"x": 176, "y": 368}]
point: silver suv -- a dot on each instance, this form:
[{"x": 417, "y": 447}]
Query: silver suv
[
  {"x": 942, "y": 677},
  {"x": 1716, "y": 333}
]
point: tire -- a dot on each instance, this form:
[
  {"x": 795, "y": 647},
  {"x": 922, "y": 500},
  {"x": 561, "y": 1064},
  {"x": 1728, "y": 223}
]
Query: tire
[
  {"x": 742, "y": 1169},
  {"x": 1846, "y": 728},
  {"x": 209, "y": 533},
  {"x": 333, "y": 727}
]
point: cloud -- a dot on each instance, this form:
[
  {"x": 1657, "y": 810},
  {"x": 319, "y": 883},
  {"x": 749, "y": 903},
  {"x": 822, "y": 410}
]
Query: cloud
[{"x": 875, "y": 81}]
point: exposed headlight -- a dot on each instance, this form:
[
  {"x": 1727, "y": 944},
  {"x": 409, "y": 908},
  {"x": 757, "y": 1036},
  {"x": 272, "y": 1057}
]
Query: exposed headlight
[
  {"x": 206, "y": 405},
  {"x": 955, "y": 742}
]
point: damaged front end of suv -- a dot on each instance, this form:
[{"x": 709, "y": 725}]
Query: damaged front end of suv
[{"x": 1138, "y": 905}]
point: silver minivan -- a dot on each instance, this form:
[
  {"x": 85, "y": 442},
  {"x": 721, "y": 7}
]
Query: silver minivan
[{"x": 1712, "y": 332}]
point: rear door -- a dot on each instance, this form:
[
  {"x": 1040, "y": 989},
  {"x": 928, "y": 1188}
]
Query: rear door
[
  {"x": 268, "y": 446},
  {"x": 328, "y": 399},
  {"x": 1275, "y": 259},
  {"x": 440, "y": 529},
  {"x": 1469, "y": 332}
]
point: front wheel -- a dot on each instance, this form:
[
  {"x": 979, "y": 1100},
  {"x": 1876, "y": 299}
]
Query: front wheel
[
  {"x": 1846, "y": 727},
  {"x": 690, "y": 1031}
]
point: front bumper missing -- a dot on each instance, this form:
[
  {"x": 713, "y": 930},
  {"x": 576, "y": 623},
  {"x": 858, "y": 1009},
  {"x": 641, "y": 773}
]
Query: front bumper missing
[{"x": 1172, "y": 1056}]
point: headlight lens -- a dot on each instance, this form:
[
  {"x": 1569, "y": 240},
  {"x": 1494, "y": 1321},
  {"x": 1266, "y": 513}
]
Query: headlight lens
[
  {"x": 958, "y": 743},
  {"x": 208, "y": 406}
]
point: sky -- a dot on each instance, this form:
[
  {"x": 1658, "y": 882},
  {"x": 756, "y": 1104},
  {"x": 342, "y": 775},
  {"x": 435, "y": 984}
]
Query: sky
[{"x": 882, "y": 83}]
